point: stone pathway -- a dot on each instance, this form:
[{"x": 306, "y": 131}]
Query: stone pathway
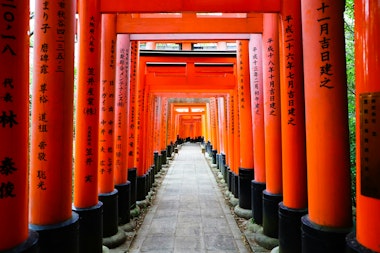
[{"x": 189, "y": 213}]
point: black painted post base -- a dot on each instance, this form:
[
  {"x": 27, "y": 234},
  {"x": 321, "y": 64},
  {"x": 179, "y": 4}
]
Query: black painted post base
[
  {"x": 214, "y": 152},
  {"x": 140, "y": 193},
  {"x": 236, "y": 186},
  {"x": 156, "y": 161},
  {"x": 124, "y": 202},
  {"x": 209, "y": 150},
  {"x": 164, "y": 157},
  {"x": 257, "y": 189},
  {"x": 229, "y": 181},
  {"x": 233, "y": 183},
  {"x": 289, "y": 230},
  {"x": 132, "y": 177},
  {"x": 110, "y": 212},
  {"x": 169, "y": 151},
  {"x": 222, "y": 164},
  {"x": 217, "y": 161},
  {"x": 225, "y": 173},
  {"x": 90, "y": 228},
  {"x": 245, "y": 178},
  {"x": 152, "y": 172},
  {"x": 270, "y": 213},
  {"x": 160, "y": 158},
  {"x": 316, "y": 238},
  {"x": 60, "y": 238},
  {"x": 148, "y": 179},
  {"x": 152, "y": 178},
  {"x": 353, "y": 246},
  {"x": 30, "y": 245}
]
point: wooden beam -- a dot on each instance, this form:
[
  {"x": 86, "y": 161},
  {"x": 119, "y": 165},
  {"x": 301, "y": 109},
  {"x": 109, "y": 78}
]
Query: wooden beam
[
  {"x": 123, "y": 6},
  {"x": 189, "y": 23},
  {"x": 171, "y": 37}
]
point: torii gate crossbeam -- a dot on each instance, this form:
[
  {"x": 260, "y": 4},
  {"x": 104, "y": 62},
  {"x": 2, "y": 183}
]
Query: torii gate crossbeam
[{"x": 226, "y": 6}]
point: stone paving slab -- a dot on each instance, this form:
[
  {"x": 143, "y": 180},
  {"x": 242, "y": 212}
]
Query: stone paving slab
[{"x": 189, "y": 213}]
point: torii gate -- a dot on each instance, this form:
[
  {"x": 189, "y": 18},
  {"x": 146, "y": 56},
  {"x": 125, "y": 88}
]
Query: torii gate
[{"x": 329, "y": 214}]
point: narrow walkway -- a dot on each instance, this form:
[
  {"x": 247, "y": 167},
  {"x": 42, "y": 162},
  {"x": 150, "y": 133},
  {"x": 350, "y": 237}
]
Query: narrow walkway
[{"x": 189, "y": 213}]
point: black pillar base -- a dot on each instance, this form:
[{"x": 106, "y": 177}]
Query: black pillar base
[
  {"x": 316, "y": 238},
  {"x": 60, "y": 238},
  {"x": 209, "y": 150},
  {"x": 148, "y": 179},
  {"x": 169, "y": 150},
  {"x": 156, "y": 161},
  {"x": 225, "y": 173},
  {"x": 164, "y": 157},
  {"x": 257, "y": 189},
  {"x": 132, "y": 177},
  {"x": 233, "y": 183},
  {"x": 140, "y": 194},
  {"x": 151, "y": 178},
  {"x": 236, "y": 185},
  {"x": 160, "y": 158},
  {"x": 229, "y": 182},
  {"x": 270, "y": 213},
  {"x": 217, "y": 161},
  {"x": 90, "y": 228},
  {"x": 124, "y": 202},
  {"x": 222, "y": 163},
  {"x": 289, "y": 230},
  {"x": 30, "y": 245},
  {"x": 353, "y": 246},
  {"x": 110, "y": 212},
  {"x": 214, "y": 152},
  {"x": 245, "y": 178}
]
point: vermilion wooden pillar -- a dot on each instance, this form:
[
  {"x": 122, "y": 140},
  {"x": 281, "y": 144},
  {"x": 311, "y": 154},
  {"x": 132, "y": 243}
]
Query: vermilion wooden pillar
[
  {"x": 130, "y": 75},
  {"x": 132, "y": 105},
  {"x": 236, "y": 116},
  {"x": 327, "y": 145},
  {"x": 214, "y": 138},
  {"x": 176, "y": 124},
  {"x": 272, "y": 117},
  {"x": 203, "y": 128},
  {"x": 231, "y": 159},
  {"x": 139, "y": 105},
  {"x": 120, "y": 148},
  {"x": 108, "y": 195},
  {"x": 164, "y": 129},
  {"x": 52, "y": 128},
  {"x": 145, "y": 158},
  {"x": 107, "y": 104},
  {"x": 367, "y": 53},
  {"x": 225, "y": 139},
  {"x": 135, "y": 114},
  {"x": 157, "y": 123},
  {"x": 222, "y": 134},
  {"x": 86, "y": 202},
  {"x": 294, "y": 204},
  {"x": 14, "y": 45},
  {"x": 208, "y": 123},
  {"x": 257, "y": 105},
  {"x": 151, "y": 142},
  {"x": 230, "y": 140},
  {"x": 171, "y": 124},
  {"x": 246, "y": 173}
]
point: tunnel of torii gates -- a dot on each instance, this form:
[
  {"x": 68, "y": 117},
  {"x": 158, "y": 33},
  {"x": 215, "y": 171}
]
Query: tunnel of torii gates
[{"x": 272, "y": 114}]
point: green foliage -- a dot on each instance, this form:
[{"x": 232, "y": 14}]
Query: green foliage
[{"x": 350, "y": 65}]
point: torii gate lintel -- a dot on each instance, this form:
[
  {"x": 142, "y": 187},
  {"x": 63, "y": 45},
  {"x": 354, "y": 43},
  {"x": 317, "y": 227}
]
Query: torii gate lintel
[{"x": 109, "y": 6}]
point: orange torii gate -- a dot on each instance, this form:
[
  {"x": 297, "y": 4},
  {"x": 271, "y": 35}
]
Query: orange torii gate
[
  {"x": 329, "y": 212},
  {"x": 190, "y": 115}
]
